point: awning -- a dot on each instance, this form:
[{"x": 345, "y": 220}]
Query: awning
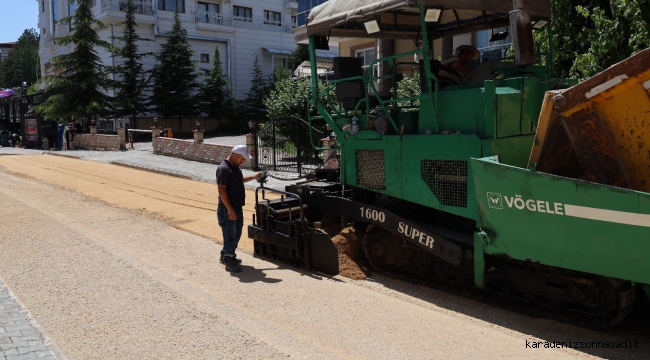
[
  {"x": 277, "y": 51},
  {"x": 400, "y": 18},
  {"x": 282, "y": 52}
]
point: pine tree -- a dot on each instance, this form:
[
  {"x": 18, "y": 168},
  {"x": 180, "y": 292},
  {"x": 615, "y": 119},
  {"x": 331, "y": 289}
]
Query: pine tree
[
  {"x": 78, "y": 88},
  {"x": 214, "y": 96},
  {"x": 299, "y": 55},
  {"x": 21, "y": 65},
  {"x": 254, "y": 104},
  {"x": 129, "y": 99},
  {"x": 174, "y": 78}
]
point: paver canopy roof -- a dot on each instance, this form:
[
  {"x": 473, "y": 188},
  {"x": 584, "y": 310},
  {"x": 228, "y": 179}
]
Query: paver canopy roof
[{"x": 400, "y": 18}]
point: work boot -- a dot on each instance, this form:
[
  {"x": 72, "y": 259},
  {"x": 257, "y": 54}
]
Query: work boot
[
  {"x": 235, "y": 256},
  {"x": 231, "y": 264}
]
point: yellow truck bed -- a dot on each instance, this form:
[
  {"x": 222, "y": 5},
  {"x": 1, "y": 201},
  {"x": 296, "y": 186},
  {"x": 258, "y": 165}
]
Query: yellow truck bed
[{"x": 599, "y": 130}]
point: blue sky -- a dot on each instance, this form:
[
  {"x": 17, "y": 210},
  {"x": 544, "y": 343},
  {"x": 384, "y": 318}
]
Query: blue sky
[{"x": 17, "y": 15}]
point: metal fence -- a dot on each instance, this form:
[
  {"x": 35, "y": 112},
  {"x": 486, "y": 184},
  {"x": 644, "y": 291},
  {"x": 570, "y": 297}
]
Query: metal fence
[{"x": 285, "y": 145}]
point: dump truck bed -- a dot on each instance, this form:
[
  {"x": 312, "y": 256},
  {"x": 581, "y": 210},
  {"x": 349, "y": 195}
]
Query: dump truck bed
[{"x": 599, "y": 130}]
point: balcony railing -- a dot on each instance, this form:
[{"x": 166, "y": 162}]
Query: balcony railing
[
  {"x": 141, "y": 7},
  {"x": 243, "y": 21},
  {"x": 213, "y": 18}
]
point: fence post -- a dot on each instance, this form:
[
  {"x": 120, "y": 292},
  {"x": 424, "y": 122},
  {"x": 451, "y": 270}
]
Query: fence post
[
  {"x": 121, "y": 133},
  {"x": 298, "y": 154},
  {"x": 275, "y": 165}
]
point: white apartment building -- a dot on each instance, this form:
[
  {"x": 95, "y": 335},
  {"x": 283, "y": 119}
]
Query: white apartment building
[{"x": 242, "y": 29}]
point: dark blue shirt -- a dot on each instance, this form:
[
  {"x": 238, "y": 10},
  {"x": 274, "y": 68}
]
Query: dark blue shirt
[{"x": 231, "y": 176}]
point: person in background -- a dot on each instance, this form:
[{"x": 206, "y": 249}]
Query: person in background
[
  {"x": 454, "y": 69},
  {"x": 232, "y": 197}
]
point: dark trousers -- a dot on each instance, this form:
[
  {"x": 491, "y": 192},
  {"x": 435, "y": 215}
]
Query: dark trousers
[{"x": 231, "y": 229}]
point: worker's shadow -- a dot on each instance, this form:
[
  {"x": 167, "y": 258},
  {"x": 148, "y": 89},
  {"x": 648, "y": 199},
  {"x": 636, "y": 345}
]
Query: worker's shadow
[{"x": 250, "y": 274}]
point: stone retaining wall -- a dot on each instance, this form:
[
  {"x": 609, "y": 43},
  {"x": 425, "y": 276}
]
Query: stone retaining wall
[
  {"x": 96, "y": 142},
  {"x": 187, "y": 149}
]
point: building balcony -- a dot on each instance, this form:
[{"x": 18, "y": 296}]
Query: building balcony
[
  {"x": 291, "y": 5},
  {"x": 112, "y": 11},
  {"x": 212, "y": 21},
  {"x": 207, "y": 20}
]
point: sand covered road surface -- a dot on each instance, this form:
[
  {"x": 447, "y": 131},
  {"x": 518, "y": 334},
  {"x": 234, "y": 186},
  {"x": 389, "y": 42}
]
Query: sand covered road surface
[{"x": 120, "y": 263}]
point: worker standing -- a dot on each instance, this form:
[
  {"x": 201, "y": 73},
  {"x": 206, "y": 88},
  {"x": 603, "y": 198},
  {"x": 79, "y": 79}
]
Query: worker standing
[{"x": 232, "y": 197}]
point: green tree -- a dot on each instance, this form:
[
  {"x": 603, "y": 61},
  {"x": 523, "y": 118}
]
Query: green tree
[
  {"x": 409, "y": 87},
  {"x": 174, "y": 78},
  {"x": 129, "y": 99},
  {"x": 80, "y": 81},
  {"x": 21, "y": 65},
  {"x": 591, "y": 35},
  {"x": 279, "y": 73},
  {"x": 214, "y": 96},
  {"x": 299, "y": 54},
  {"x": 289, "y": 101},
  {"x": 254, "y": 104}
]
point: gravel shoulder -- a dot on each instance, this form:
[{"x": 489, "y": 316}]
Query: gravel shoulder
[{"x": 120, "y": 263}]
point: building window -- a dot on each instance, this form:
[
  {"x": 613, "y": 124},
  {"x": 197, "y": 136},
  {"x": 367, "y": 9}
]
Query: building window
[
  {"x": 206, "y": 12},
  {"x": 171, "y": 5},
  {"x": 367, "y": 56},
  {"x": 205, "y": 58},
  {"x": 294, "y": 21},
  {"x": 272, "y": 18},
  {"x": 287, "y": 63},
  {"x": 55, "y": 10},
  {"x": 241, "y": 13},
  {"x": 43, "y": 6},
  {"x": 71, "y": 9}
]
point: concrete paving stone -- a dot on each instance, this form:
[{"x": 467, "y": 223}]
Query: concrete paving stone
[
  {"x": 22, "y": 356},
  {"x": 13, "y": 345},
  {"x": 44, "y": 355},
  {"x": 9, "y": 352},
  {"x": 31, "y": 349},
  {"x": 27, "y": 332},
  {"x": 10, "y": 334},
  {"x": 5, "y": 341},
  {"x": 2, "y": 330},
  {"x": 18, "y": 327}
]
